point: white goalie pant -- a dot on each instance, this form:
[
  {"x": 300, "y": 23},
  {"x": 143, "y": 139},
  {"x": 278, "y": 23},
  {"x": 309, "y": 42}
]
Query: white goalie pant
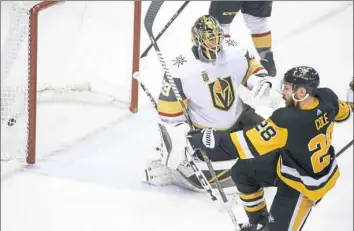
[{"x": 166, "y": 169}]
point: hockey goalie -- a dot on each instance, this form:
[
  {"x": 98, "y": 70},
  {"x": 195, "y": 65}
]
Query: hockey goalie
[{"x": 207, "y": 77}]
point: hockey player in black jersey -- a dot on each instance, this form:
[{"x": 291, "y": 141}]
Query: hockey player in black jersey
[{"x": 291, "y": 150}]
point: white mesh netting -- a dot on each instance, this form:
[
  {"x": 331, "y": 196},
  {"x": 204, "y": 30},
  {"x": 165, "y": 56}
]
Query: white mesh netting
[{"x": 84, "y": 72}]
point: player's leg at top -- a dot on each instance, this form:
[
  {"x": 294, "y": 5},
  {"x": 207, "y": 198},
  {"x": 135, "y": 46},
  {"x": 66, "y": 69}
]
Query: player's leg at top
[
  {"x": 256, "y": 14},
  {"x": 225, "y": 12}
]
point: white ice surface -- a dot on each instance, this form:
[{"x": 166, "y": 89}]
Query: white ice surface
[{"x": 96, "y": 182}]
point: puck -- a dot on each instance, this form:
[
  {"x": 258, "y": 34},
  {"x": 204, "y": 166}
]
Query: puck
[{"x": 11, "y": 122}]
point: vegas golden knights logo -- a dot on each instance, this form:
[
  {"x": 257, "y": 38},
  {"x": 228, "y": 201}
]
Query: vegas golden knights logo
[
  {"x": 222, "y": 93},
  {"x": 205, "y": 76}
]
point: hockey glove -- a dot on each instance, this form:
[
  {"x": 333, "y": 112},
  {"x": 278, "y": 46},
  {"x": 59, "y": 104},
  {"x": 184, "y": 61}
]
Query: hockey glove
[
  {"x": 204, "y": 138},
  {"x": 260, "y": 85},
  {"x": 262, "y": 89}
]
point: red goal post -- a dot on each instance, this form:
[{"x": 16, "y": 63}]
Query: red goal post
[{"x": 33, "y": 29}]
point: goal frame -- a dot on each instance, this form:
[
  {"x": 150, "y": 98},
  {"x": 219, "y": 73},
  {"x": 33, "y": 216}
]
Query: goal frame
[{"x": 33, "y": 65}]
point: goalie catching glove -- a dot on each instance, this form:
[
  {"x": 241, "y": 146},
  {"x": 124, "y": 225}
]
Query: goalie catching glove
[{"x": 261, "y": 85}]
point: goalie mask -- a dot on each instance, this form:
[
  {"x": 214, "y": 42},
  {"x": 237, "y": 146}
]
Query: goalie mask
[{"x": 207, "y": 36}]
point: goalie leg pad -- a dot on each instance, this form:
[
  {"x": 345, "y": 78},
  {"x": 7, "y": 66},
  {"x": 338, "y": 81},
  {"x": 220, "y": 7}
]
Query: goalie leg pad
[{"x": 174, "y": 153}]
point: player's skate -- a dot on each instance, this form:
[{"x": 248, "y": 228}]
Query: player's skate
[
  {"x": 268, "y": 63},
  {"x": 262, "y": 225},
  {"x": 158, "y": 174},
  {"x": 251, "y": 227}
]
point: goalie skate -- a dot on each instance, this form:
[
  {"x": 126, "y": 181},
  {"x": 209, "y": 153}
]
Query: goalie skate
[{"x": 158, "y": 174}]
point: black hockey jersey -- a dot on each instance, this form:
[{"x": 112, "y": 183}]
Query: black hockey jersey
[{"x": 304, "y": 137}]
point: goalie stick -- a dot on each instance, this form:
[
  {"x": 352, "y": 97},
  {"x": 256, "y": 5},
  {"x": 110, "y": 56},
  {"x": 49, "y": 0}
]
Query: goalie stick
[
  {"x": 149, "y": 20},
  {"x": 144, "y": 54}
]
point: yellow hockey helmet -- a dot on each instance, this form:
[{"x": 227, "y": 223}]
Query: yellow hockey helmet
[{"x": 207, "y": 35}]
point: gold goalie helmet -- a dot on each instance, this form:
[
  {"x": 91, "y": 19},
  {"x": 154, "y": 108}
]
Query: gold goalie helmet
[{"x": 207, "y": 36}]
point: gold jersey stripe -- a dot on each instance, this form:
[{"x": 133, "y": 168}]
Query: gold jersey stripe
[
  {"x": 170, "y": 108},
  {"x": 253, "y": 66},
  {"x": 343, "y": 111},
  {"x": 313, "y": 195},
  {"x": 238, "y": 146}
]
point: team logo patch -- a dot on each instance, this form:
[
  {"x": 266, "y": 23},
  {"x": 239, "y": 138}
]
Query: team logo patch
[
  {"x": 179, "y": 60},
  {"x": 205, "y": 76},
  {"x": 222, "y": 93},
  {"x": 301, "y": 72}
]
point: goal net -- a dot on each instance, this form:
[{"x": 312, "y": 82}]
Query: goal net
[{"x": 66, "y": 71}]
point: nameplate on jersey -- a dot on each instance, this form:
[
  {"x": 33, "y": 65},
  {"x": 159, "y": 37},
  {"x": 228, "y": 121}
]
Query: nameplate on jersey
[{"x": 222, "y": 93}]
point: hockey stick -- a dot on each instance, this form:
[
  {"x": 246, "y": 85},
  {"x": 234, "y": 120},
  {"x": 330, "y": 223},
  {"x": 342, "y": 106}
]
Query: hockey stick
[
  {"x": 165, "y": 28},
  {"x": 144, "y": 54},
  {"x": 344, "y": 148},
  {"x": 149, "y": 20}
]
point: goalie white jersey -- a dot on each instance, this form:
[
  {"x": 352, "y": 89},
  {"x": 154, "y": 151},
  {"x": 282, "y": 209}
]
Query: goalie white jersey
[{"x": 209, "y": 90}]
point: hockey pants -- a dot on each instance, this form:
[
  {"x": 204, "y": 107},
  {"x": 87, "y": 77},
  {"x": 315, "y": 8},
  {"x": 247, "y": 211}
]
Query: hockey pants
[{"x": 289, "y": 209}]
